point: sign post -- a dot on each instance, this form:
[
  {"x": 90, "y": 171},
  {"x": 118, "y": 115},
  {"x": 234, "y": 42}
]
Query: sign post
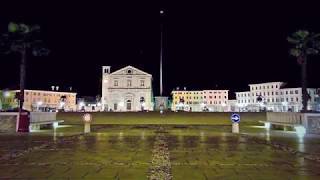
[
  {"x": 235, "y": 118},
  {"x": 87, "y": 118}
]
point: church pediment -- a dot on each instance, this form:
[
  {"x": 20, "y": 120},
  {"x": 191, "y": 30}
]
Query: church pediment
[{"x": 130, "y": 70}]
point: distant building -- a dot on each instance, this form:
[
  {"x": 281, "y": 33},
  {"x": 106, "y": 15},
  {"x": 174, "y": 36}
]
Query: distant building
[
  {"x": 272, "y": 96},
  {"x": 127, "y": 89},
  {"x": 39, "y": 100},
  {"x": 202, "y": 100},
  {"x": 89, "y": 104},
  {"x": 8, "y": 100}
]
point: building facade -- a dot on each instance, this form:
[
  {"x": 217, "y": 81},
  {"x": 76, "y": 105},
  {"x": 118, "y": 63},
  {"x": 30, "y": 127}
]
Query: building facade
[
  {"x": 39, "y": 100},
  {"x": 204, "y": 100},
  {"x": 89, "y": 104},
  {"x": 127, "y": 89},
  {"x": 8, "y": 100},
  {"x": 272, "y": 96}
]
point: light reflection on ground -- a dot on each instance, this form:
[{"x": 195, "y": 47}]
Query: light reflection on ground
[{"x": 114, "y": 152}]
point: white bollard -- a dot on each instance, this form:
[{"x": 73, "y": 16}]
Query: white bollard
[
  {"x": 87, "y": 118},
  {"x": 87, "y": 128},
  {"x": 235, "y": 127}
]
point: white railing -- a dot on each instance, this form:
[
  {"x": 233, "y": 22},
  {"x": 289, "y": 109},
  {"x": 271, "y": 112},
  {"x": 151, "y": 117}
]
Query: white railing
[{"x": 289, "y": 118}]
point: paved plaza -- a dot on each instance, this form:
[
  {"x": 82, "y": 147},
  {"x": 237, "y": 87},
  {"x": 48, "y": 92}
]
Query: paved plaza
[{"x": 131, "y": 152}]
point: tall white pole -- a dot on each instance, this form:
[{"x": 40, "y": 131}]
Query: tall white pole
[{"x": 161, "y": 56}]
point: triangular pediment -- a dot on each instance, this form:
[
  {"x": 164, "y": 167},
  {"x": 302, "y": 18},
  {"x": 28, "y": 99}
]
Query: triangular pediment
[{"x": 130, "y": 70}]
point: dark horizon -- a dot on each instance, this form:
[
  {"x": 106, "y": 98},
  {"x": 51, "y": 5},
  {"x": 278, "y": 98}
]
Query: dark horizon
[{"x": 207, "y": 46}]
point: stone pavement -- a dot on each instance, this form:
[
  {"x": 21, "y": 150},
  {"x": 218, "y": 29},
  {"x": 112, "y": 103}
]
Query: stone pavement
[{"x": 127, "y": 154}]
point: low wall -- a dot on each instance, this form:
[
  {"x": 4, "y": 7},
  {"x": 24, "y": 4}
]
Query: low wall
[
  {"x": 8, "y": 122},
  {"x": 285, "y": 118},
  {"x": 172, "y": 118},
  {"x": 311, "y": 121},
  {"x": 42, "y": 116}
]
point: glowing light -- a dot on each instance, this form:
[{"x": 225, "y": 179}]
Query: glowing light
[
  {"x": 267, "y": 125},
  {"x": 300, "y": 130},
  {"x": 81, "y": 104},
  {"x": 62, "y": 104},
  {"x": 99, "y": 104},
  {"x": 161, "y": 12},
  {"x": 143, "y": 104},
  {"x": 6, "y": 94},
  {"x": 39, "y": 103},
  {"x": 55, "y": 124},
  {"x": 87, "y": 117}
]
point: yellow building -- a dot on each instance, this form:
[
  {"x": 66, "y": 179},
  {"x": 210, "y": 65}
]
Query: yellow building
[
  {"x": 7, "y": 100},
  {"x": 206, "y": 100},
  {"x": 187, "y": 100},
  {"x": 39, "y": 100}
]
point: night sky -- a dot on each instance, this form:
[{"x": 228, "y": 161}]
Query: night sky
[{"x": 207, "y": 46}]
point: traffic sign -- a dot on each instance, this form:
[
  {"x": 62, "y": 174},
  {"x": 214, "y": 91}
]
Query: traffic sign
[{"x": 235, "y": 118}]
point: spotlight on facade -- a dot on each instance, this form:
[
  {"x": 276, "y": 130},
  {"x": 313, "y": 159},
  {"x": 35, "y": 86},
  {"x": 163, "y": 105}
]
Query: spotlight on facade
[
  {"x": 39, "y": 103},
  {"x": 81, "y": 104},
  {"x": 98, "y": 104},
  {"x": 62, "y": 104},
  {"x": 121, "y": 104}
]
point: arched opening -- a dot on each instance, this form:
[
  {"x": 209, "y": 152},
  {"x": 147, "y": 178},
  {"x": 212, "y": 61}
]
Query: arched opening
[{"x": 129, "y": 105}]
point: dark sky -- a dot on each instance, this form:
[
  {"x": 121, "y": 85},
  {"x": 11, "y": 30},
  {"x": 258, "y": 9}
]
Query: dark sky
[{"x": 224, "y": 45}]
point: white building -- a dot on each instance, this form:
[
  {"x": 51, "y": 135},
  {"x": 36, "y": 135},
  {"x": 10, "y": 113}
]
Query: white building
[
  {"x": 272, "y": 96},
  {"x": 127, "y": 89}
]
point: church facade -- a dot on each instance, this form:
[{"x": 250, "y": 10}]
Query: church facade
[{"x": 127, "y": 89}]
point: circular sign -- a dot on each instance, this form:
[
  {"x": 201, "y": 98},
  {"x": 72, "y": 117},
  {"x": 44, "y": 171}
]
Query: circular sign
[
  {"x": 87, "y": 117},
  {"x": 235, "y": 118}
]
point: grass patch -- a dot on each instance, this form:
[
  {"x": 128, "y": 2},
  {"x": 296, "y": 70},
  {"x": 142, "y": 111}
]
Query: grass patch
[{"x": 155, "y": 118}]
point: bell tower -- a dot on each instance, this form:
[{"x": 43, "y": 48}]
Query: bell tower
[{"x": 105, "y": 84}]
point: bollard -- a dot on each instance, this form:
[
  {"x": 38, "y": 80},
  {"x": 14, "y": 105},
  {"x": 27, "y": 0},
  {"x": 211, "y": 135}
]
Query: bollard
[
  {"x": 235, "y": 118},
  {"x": 235, "y": 127},
  {"x": 87, "y": 128},
  {"x": 87, "y": 120}
]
